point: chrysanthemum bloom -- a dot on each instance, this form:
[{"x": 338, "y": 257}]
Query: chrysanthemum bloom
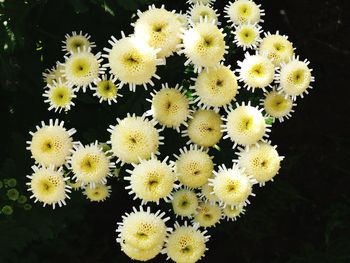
[
  {"x": 54, "y": 74},
  {"x": 256, "y": 71},
  {"x": 244, "y": 12},
  {"x": 193, "y": 167},
  {"x": 199, "y": 11},
  {"x": 160, "y": 29},
  {"x": 90, "y": 164},
  {"x": 203, "y": 45},
  {"x": 51, "y": 144},
  {"x": 48, "y": 186},
  {"x": 232, "y": 186},
  {"x": 207, "y": 194},
  {"x": 203, "y": 2},
  {"x": 142, "y": 229},
  {"x": 294, "y": 78},
  {"x": 247, "y": 36},
  {"x": 170, "y": 107},
  {"x": 132, "y": 61},
  {"x": 204, "y": 128},
  {"x": 233, "y": 212},
  {"x": 184, "y": 203},
  {"x": 277, "y": 48},
  {"x": 60, "y": 96},
  {"x": 99, "y": 193},
  {"x": 245, "y": 125},
  {"x": 277, "y": 105},
  {"x": 83, "y": 68},
  {"x": 76, "y": 185},
  {"x": 134, "y": 138},
  {"x": 208, "y": 215},
  {"x": 186, "y": 244},
  {"x": 151, "y": 180},
  {"x": 183, "y": 19},
  {"x": 77, "y": 41},
  {"x": 106, "y": 89},
  {"x": 216, "y": 88},
  {"x": 262, "y": 162}
]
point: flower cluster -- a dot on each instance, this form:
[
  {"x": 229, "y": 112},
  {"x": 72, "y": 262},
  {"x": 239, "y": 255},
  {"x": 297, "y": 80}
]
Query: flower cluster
[{"x": 206, "y": 113}]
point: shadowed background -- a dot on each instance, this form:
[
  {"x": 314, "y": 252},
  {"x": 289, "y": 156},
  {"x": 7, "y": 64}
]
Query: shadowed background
[{"x": 302, "y": 217}]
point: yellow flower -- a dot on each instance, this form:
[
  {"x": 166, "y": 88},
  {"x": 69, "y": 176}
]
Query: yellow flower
[
  {"x": 256, "y": 71},
  {"x": 106, "y": 89},
  {"x": 143, "y": 230},
  {"x": 278, "y": 105},
  {"x": 243, "y": 12},
  {"x": 277, "y": 48},
  {"x": 90, "y": 165},
  {"x": 160, "y": 29},
  {"x": 193, "y": 167},
  {"x": 199, "y": 11},
  {"x": 184, "y": 203},
  {"x": 233, "y": 212},
  {"x": 295, "y": 78},
  {"x": 151, "y": 180},
  {"x": 51, "y": 144},
  {"x": 59, "y": 95},
  {"x": 186, "y": 244},
  {"x": 98, "y": 194},
  {"x": 216, "y": 88},
  {"x": 247, "y": 35},
  {"x": 245, "y": 125},
  {"x": 262, "y": 162},
  {"x": 170, "y": 107},
  {"x": 203, "y": 45},
  {"x": 140, "y": 254},
  {"x": 48, "y": 186},
  {"x": 54, "y": 74},
  {"x": 83, "y": 68},
  {"x": 77, "y": 41},
  {"x": 132, "y": 61},
  {"x": 207, "y": 194},
  {"x": 134, "y": 138},
  {"x": 204, "y": 128},
  {"x": 208, "y": 215},
  {"x": 232, "y": 186}
]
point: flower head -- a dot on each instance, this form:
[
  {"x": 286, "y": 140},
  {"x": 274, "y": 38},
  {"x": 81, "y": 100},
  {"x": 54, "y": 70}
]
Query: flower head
[
  {"x": 160, "y": 29},
  {"x": 83, "y": 68},
  {"x": 142, "y": 230},
  {"x": 90, "y": 164},
  {"x": 256, "y": 71},
  {"x": 132, "y": 61},
  {"x": 278, "y": 105},
  {"x": 207, "y": 194},
  {"x": 203, "y": 45},
  {"x": 247, "y": 36},
  {"x": 295, "y": 77},
  {"x": 232, "y": 186},
  {"x": 134, "y": 138},
  {"x": 243, "y": 12},
  {"x": 208, "y": 215},
  {"x": 185, "y": 202},
  {"x": 151, "y": 180},
  {"x": 186, "y": 244},
  {"x": 204, "y": 128},
  {"x": 60, "y": 96},
  {"x": 199, "y": 11},
  {"x": 245, "y": 125},
  {"x": 193, "y": 166},
  {"x": 233, "y": 212},
  {"x": 77, "y": 41},
  {"x": 216, "y": 88},
  {"x": 51, "y": 144},
  {"x": 170, "y": 107},
  {"x": 262, "y": 162},
  {"x": 106, "y": 89},
  {"x": 54, "y": 74},
  {"x": 277, "y": 48},
  {"x": 203, "y": 2},
  {"x": 48, "y": 186},
  {"x": 98, "y": 194}
]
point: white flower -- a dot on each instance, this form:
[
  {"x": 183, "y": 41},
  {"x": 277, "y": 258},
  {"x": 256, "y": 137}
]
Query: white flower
[{"x": 77, "y": 41}]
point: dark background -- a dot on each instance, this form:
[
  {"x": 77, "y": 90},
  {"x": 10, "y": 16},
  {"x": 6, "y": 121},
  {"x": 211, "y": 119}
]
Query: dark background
[{"x": 302, "y": 217}]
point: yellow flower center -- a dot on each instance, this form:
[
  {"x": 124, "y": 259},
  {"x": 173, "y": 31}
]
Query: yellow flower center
[
  {"x": 81, "y": 67},
  {"x": 61, "y": 96},
  {"x": 107, "y": 89}
]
